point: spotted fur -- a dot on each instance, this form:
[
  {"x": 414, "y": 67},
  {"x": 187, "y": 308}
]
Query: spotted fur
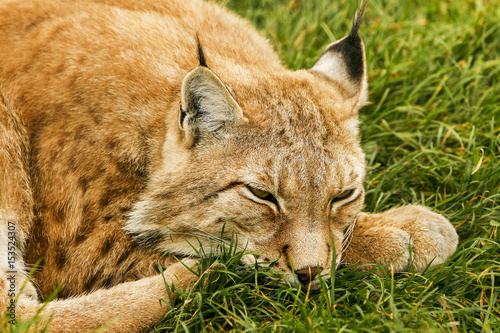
[{"x": 130, "y": 128}]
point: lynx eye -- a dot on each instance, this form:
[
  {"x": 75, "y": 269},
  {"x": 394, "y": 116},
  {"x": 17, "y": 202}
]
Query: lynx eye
[
  {"x": 342, "y": 195},
  {"x": 264, "y": 195}
]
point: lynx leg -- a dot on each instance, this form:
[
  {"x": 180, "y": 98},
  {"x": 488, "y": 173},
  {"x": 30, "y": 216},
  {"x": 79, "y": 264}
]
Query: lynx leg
[
  {"x": 16, "y": 203},
  {"x": 389, "y": 237},
  {"x": 127, "y": 307}
]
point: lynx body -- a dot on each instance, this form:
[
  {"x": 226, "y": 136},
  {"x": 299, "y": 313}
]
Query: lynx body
[{"x": 131, "y": 128}]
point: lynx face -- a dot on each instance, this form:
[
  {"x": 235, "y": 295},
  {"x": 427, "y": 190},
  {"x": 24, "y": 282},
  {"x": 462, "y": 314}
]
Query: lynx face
[{"x": 278, "y": 164}]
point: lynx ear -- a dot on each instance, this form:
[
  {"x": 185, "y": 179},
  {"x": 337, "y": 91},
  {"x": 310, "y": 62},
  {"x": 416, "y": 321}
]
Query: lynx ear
[
  {"x": 208, "y": 110},
  {"x": 344, "y": 62}
]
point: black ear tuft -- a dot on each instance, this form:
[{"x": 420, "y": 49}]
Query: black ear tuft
[
  {"x": 358, "y": 19},
  {"x": 201, "y": 55}
]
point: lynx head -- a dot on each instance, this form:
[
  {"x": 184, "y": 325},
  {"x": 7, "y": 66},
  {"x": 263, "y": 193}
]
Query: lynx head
[{"x": 276, "y": 161}]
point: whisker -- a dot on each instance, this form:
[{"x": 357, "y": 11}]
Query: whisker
[
  {"x": 201, "y": 236},
  {"x": 211, "y": 236},
  {"x": 348, "y": 237},
  {"x": 202, "y": 233}
]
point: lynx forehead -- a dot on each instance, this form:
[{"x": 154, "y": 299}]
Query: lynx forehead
[{"x": 131, "y": 128}]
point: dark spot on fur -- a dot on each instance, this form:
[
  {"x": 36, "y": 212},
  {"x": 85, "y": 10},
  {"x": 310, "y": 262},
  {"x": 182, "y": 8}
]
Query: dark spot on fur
[
  {"x": 209, "y": 197},
  {"x": 96, "y": 115},
  {"x": 125, "y": 209},
  {"x": 71, "y": 81},
  {"x": 129, "y": 267},
  {"x": 33, "y": 25},
  {"x": 86, "y": 210},
  {"x": 91, "y": 282},
  {"x": 126, "y": 275},
  {"x": 269, "y": 164},
  {"x": 111, "y": 144},
  {"x": 137, "y": 173},
  {"x": 132, "y": 276},
  {"x": 108, "y": 217},
  {"x": 59, "y": 69},
  {"x": 79, "y": 132},
  {"x": 87, "y": 226},
  {"x": 107, "y": 283},
  {"x": 150, "y": 238},
  {"x": 123, "y": 167},
  {"x": 59, "y": 215},
  {"x": 142, "y": 173},
  {"x": 110, "y": 182},
  {"x": 82, "y": 59},
  {"x": 106, "y": 199},
  {"x": 164, "y": 195},
  {"x": 83, "y": 182},
  {"x": 71, "y": 163},
  {"x": 123, "y": 256},
  {"x": 61, "y": 258},
  {"x": 107, "y": 246},
  {"x": 80, "y": 238},
  {"x": 78, "y": 99}
]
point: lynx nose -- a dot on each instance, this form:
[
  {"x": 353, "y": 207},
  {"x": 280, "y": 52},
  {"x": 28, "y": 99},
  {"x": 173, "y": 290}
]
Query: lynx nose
[{"x": 306, "y": 275}]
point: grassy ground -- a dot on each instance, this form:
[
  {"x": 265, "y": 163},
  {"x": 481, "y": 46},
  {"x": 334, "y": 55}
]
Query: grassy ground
[{"x": 431, "y": 135}]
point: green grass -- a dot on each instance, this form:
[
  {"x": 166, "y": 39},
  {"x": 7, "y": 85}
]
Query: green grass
[{"x": 431, "y": 134}]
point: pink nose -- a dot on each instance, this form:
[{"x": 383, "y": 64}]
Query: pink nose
[{"x": 306, "y": 275}]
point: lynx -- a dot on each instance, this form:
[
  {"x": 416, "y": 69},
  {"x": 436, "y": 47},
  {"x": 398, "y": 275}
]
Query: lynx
[{"x": 131, "y": 128}]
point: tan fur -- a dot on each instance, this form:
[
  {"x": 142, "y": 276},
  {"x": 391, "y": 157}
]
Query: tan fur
[{"x": 116, "y": 145}]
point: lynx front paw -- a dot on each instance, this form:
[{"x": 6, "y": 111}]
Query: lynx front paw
[
  {"x": 14, "y": 296},
  {"x": 402, "y": 236}
]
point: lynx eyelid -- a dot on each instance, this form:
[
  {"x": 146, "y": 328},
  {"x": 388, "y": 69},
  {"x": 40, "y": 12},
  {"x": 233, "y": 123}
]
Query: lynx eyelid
[
  {"x": 261, "y": 194},
  {"x": 343, "y": 196}
]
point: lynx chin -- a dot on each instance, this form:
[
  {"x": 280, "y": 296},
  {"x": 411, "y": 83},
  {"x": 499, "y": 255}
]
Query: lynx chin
[{"x": 130, "y": 128}]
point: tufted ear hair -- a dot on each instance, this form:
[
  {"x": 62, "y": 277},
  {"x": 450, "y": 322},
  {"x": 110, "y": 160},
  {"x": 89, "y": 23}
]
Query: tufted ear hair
[
  {"x": 208, "y": 110},
  {"x": 344, "y": 63}
]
